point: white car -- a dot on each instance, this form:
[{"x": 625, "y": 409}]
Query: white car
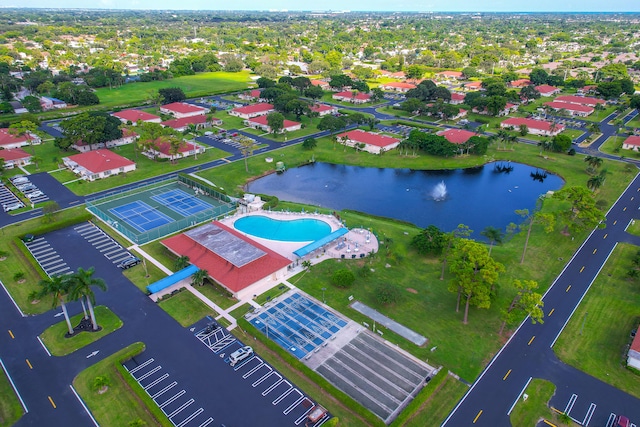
[
  {"x": 12, "y": 206},
  {"x": 33, "y": 194}
]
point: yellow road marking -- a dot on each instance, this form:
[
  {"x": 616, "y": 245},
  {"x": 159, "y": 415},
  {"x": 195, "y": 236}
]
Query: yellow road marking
[
  {"x": 11, "y": 334},
  {"x": 615, "y": 222},
  {"x": 477, "y": 416},
  {"x": 605, "y": 236},
  {"x": 531, "y": 340},
  {"x": 506, "y": 375},
  {"x": 625, "y": 208},
  {"x": 594, "y": 251},
  {"x": 568, "y": 287},
  {"x": 29, "y": 364},
  {"x": 548, "y": 423},
  {"x": 52, "y": 403},
  {"x": 632, "y": 197},
  {"x": 582, "y": 269},
  {"x": 551, "y": 312}
]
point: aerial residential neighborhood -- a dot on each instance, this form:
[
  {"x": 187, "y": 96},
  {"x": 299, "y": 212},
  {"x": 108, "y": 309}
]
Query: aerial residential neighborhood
[{"x": 321, "y": 218}]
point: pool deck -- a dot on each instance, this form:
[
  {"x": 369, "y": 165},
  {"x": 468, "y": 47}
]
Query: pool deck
[{"x": 357, "y": 241}]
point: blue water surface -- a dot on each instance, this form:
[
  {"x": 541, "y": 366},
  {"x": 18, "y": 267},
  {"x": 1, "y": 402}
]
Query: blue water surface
[
  {"x": 478, "y": 197},
  {"x": 297, "y": 230}
]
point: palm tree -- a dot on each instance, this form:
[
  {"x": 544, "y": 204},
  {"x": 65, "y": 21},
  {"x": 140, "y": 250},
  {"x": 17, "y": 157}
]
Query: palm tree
[
  {"x": 81, "y": 283},
  {"x": 181, "y": 262},
  {"x": 197, "y": 279},
  {"x": 247, "y": 145},
  {"x": 494, "y": 235},
  {"x": 594, "y": 163},
  {"x": 57, "y": 287}
]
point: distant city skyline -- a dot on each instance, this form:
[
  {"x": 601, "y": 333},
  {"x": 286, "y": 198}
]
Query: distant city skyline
[{"x": 341, "y": 5}]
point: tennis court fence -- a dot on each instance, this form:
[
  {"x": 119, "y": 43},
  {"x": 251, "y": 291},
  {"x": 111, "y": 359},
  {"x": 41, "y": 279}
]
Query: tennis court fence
[{"x": 96, "y": 204}]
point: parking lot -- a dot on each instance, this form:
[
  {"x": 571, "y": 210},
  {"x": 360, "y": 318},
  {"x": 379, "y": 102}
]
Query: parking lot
[
  {"x": 226, "y": 142},
  {"x": 172, "y": 398},
  {"x": 104, "y": 243},
  {"x": 29, "y": 189},
  {"x": 586, "y": 413},
  {"x": 47, "y": 257},
  {"x": 264, "y": 379},
  {"x": 9, "y": 200}
]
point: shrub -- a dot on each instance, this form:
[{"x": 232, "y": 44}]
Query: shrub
[
  {"x": 18, "y": 276},
  {"x": 387, "y": 294},
  {"x": 100, "y": 382},
  {"x": 343, "y": 278}
]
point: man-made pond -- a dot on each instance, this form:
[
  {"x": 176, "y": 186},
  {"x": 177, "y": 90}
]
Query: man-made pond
[{"x": 478, "y": 197}]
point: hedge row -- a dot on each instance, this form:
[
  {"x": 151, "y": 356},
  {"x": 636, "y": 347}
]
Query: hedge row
[
  {"x": 339, "y": 395},
  {"x": 29, "y": 257},
  {"x": 57, "y": 225}
]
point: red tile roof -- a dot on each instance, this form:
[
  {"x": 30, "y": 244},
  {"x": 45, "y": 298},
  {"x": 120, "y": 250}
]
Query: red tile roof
[
  {"x": 183, "y": 122},
  {"x": 369, "y": 138},
  {"x": 254, "y": 108},
  {"x": 532, "y": 124},
  {"x": 583, "y": 100},
  {"x": 232, "y": 277},
  {"x": 164, "y": 147},
  {"x": 13, "y": 154},
  {"x": 455, "y": 96},
  {"x": 473, "y": 85},
  {"x": 6, "y": 138},
  {"x": 101, "y": 160},
  {"x": 135, "y": 115},
  {"x": 632, "y": 140},
  {"x": 319, "y": 108},
  {"x": 262, "y": 120},
  {"x": 635, "y": 344},
  {"x": 456, "y": 74},
  {"x": 520, "y": 83},
  {"x": 557, "y": 105},
  {"x": 319, "y": 83},
  {"x": 399, "y": 85},
  {"x": 546, "y": 88},
  {"x": 182, "y": 107},
  {"x": 457, "y": 136},
  {"x": 347, "y": 94}
]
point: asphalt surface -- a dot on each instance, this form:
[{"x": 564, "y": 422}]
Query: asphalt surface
[
  {"x": 529, "y": 351},
  {"x": 44, "y": 381}
]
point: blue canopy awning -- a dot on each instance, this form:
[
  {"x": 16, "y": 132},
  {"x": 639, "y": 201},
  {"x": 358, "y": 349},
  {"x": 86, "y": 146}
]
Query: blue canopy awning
[{"x": 320, "y": 243}]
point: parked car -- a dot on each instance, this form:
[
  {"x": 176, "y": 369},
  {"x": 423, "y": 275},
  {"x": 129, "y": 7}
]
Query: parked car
[
  {"x": 12, "y": 206},
  {"x": 240, "y": 354},
  {"x": 129, "y": 262},
  {"x": 34, "y": 194},
  {"x": 26, "y": 187},
  {"x": 19, "y": 180},
  {"x": 621, "y": 421},
  {"x": 28, "y": 238}
]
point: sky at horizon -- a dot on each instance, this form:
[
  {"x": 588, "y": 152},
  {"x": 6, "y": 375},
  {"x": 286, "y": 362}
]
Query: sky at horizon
[{"x": 338, "y": 5}]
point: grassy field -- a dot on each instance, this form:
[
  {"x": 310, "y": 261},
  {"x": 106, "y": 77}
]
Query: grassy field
[
  {"x": 200, "y": 84},
  {"x": 434, "y": 411},
  {"x": 10, "y": 408},
  {"x": 186, "y": 308},
  {"x": 54, "y": 336},
  {"x": 528, "y": 413},
  {"x": 609, "y": 313},
  {"x": 119, "y": 404},
  {"x": 271, "y": 294}
]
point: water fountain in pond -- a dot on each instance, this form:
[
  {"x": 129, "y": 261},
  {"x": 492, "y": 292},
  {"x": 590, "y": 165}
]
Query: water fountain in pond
[{"x": 439, "y": 192}]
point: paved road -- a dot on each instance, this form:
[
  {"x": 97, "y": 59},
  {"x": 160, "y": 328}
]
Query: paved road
[
  {"x": 206, "y": 377},
  {"x": 528, "y": 353}
]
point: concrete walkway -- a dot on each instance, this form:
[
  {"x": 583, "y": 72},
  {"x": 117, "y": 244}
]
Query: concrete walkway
[{"x": 151, "y": 259}]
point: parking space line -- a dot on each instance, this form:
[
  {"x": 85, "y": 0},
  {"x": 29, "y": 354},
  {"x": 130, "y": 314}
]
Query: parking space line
[
  {"x": 587, "y": 418},
  {"x": 248, "y": 374},
  {"x": 159, "y": 380},
  {"x": 53, "y": 273},
  {"x": 273, "y": 386},
  {"x": 294, "y": 404},
  {"x": 141, "y": 366},
  {"x": 191, "y": 417},
  {"x": 237, "y": 367},
  {"x": 264, "y": 377},
  {"x": 570, "y": 404},
  {"x": 101, "y": 245},
  {"x": 151, "y": 372},
  {"x": 206, "y": 423},
  {"x": 171, "y": 399},
  {"x": 304, "y": 416},
  {"x": 285, "y": 394},
  {"x": 164, "y": 390},
  {"x": 181, "y": 408}
]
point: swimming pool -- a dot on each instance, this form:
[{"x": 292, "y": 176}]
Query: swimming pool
[{"x": 297, "y": 230}]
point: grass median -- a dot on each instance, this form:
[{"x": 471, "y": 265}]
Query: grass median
[
  {"x": 186, "y": 308},
  {"x": 10, "y": 408}
]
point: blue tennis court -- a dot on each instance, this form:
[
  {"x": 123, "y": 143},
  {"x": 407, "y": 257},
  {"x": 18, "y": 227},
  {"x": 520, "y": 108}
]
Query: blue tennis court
[
  {"x": 140, "y": 216},
  {"x": 298, "y": 324},
  {"x": 183, "y": 203}
]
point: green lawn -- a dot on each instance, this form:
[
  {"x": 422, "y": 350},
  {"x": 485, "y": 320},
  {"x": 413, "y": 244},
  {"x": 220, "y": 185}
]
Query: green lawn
[
  {"x": 527, "y": 413},
  {"x": 10, "y": 408},
  {"x": 634, "y": 228},
  {"x": 240, "y": 311},
  {"x": 609, "y": 313},
  {"x": 124, "y": 401},
  {"x": 217, "y": 294},
  {"x": 58, "y": 345},
  {"x": 138, "y": 276},
  {"x": 271, "y": 294},
  {"x": 439, "y": 405},
  {"x": 186, "y": 308},
  {"x": 200, "y": 84}
]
